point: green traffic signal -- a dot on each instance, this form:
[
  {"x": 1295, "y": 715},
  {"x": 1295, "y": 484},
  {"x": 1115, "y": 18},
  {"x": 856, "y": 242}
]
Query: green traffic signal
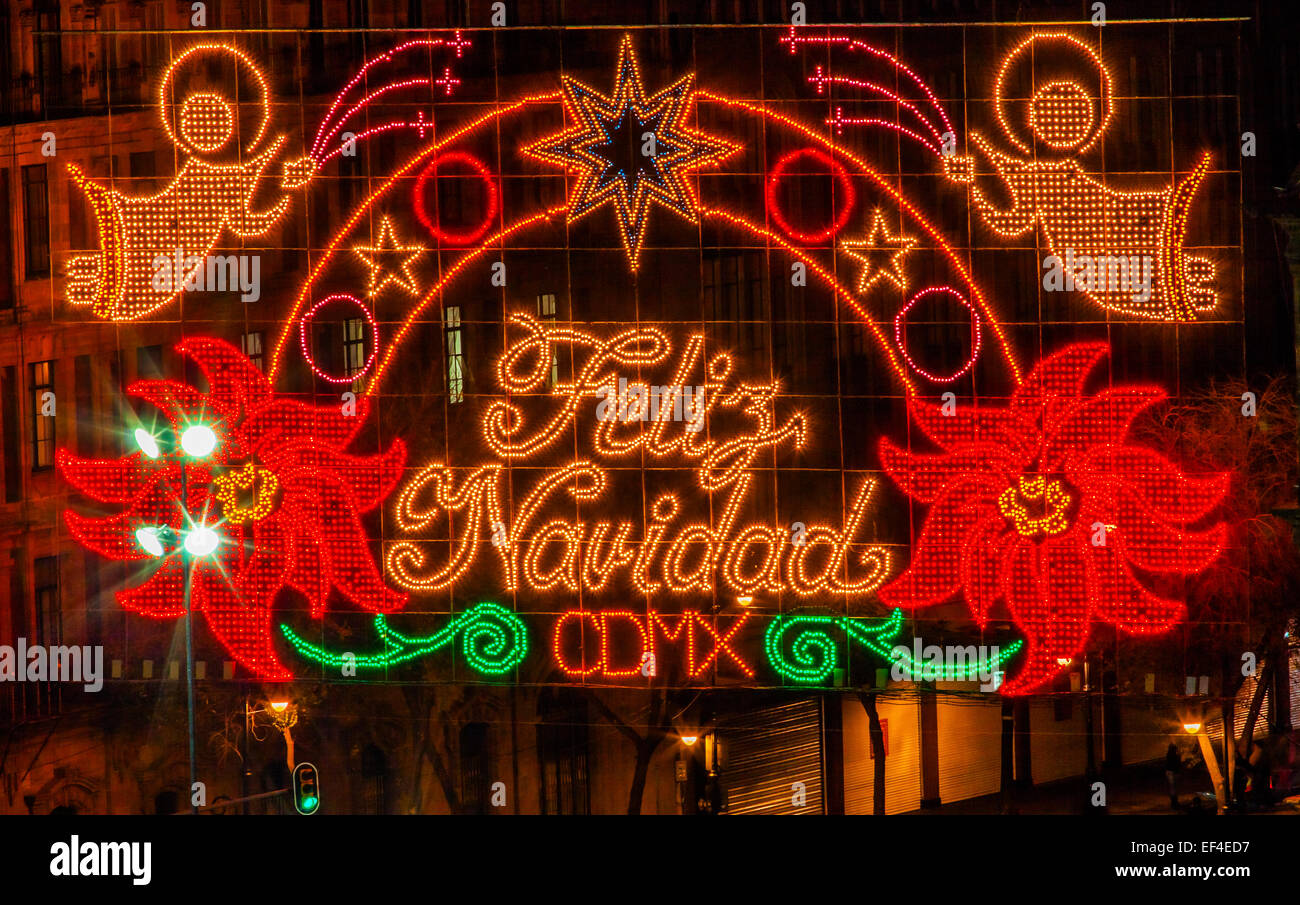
[{"x": 306, "y": 789}]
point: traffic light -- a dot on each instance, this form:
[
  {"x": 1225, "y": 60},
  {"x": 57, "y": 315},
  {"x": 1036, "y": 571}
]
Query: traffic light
[{"x": 306, "y": 789}]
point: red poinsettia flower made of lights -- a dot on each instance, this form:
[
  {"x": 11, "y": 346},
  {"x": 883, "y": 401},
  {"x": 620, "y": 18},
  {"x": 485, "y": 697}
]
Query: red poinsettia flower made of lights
[
  {"x": 254, "y": 493},
  {"x": 1041, "y": 504}
]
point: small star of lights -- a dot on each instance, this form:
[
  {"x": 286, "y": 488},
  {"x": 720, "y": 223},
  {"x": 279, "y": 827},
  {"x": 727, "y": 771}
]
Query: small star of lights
[
  {"x": 631, "y": 149},
  {"x": 380, "y": 258},
  {"x": 877, "y": 244}
]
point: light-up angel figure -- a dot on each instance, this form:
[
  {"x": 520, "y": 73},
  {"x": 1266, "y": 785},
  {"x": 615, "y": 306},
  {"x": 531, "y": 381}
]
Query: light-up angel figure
[
  {"x": 1124, "y": 249},
  {"x": 151, "y": 246}
]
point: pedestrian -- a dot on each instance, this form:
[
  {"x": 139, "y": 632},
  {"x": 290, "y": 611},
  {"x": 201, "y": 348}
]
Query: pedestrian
[{"x": 1173, "y": 766}]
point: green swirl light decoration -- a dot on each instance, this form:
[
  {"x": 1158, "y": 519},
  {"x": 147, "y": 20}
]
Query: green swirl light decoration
[
  {"x": 493, "y": 640},
  {"x": 813, "y": 657}
]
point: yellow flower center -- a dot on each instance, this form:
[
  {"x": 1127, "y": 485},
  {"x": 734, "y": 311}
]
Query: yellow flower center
[
  {"x": 1036, "y": 505},
  {"x": 247, "y": 494}
]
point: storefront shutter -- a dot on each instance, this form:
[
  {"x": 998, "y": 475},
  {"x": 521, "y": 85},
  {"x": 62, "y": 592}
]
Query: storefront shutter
[
  {"x": 765, "y": 753},
  {"x": 970, "y": 746}
]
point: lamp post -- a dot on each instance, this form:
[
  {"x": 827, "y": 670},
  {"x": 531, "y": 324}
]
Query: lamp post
[
  {"x": 1195, "y": 727},
  {"x": 197, "y": 441},
  {"x": 189, "y": 651},
  {"x": 284, "y": 715}
]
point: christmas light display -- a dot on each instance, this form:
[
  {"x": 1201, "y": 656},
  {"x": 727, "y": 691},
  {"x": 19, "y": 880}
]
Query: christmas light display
[
  {"x": 630, "y": 150},
  {"x": 1015, "y": 497},
  {"x": 430, "y": 220},
  {"x": 574, "y": 555},
  {"x": 1133, "y": 239},
  {"x": 304, "y": 339},
  {"x": 703, "y": 651},
  {"x": 800, "y": 648},
  {"x": 1020, "y": 499},
  {"x": 494, "y": 641},
  {"x": 868, "y": 249},
  {"x": 900, "y": 335},
  {"x": 151, "y": 246},
  {"x": 843, "y": 195},
  {"x": 377, "y": 258},
  {"x": 332, "y": 124},
  {"x": 797, "y": 37},
  {"x": 859, "y": 167},
  {"x": 300, "y": 530}
]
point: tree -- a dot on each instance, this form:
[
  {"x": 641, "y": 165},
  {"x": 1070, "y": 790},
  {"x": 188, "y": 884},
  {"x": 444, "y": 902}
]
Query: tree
[
  {"x": 646, "y": 731},
  {"x": 877, "y": 735},
  {"x": 1242, "y": 604}
]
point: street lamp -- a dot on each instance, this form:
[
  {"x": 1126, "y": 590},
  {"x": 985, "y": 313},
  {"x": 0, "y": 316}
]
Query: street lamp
[
  {"x": 1192, "y": 727},
  {"x": 145, "y": 440},
  {"x": 196, "y": 441},
  {"x": 283, "y": 715},
  {"x": 150, "y": 539},
  {"x": 200, "y": 541}
]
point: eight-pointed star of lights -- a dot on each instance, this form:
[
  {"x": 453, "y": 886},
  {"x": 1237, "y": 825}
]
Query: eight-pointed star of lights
[
  {"x": 609, "y": 145},
  {"x": 389, "y": 261},
  {"x": 881, "y": 254}
]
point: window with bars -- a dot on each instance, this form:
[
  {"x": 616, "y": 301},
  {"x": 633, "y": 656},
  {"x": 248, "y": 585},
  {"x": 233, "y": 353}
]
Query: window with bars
[
  {"x": 546, "y": 311},
  {"x": 562, "y": 754},
  {"x": 474, "y": 785},
  {"x": 36, "y": 220},
  {"x": 374, "y": 772},
  {"x": 43, "y": 412},
  {"x": 455, "y": 355},
  {"x": 251, "y": 344},
  {"x": 354, "y": 346},
  {"x": 49, "y": 610}
]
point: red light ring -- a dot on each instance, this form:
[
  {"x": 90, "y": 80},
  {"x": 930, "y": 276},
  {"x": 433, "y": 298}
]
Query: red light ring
[
  {"x": 449, "y": 237},
  {"x": 842, "y": 179},
  {"x": 306, "y": 349},
  {"x": 900, "y": 340}
]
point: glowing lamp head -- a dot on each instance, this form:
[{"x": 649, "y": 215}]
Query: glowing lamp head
[
  {"x": 148, "y": 445},
  {"x": 744, "y": 601},
  {"x": 1063, "y": 661},
  {"x": 279, "y": 706},
  {"x": 689, "y": 740},
  {"x": 201, "y": 541},
  {"x": 1191, "y": 728},
  {"x": 198, "y": 440},
  {"x": 148, "y": 539}
]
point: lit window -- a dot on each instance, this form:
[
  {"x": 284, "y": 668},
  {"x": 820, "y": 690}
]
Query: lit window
[
  {"x": 251, "y": 343},
  {"x": 43, "y": 409},
  {"x": 546, "y": 311},
  {"x": 455, "y": 356},
  {"x": 354, "y": 346}
]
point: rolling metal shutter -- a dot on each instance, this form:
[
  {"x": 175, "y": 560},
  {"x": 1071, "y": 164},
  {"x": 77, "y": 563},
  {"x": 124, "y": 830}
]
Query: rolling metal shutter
[
  {"x": 970, "y": 746},
  {"x": 1058, "y": 748},
  {"x": 765, "y": 752}
]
